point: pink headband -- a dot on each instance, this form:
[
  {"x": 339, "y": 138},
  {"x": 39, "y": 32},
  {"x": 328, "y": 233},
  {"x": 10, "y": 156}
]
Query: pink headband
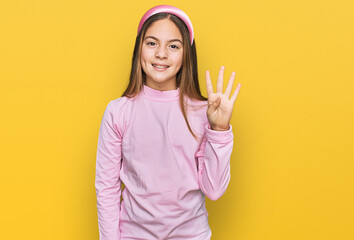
[{"x": 169, "y": 9}]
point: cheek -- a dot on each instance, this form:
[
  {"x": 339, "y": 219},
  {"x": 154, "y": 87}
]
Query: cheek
[
  {"x": 145, "y": 55},
  {"x": 143, "y": 61},
  {"x": 178, "y": 59},
  {"x": 142, "y": 57}
]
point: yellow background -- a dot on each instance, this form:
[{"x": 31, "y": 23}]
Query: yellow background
[{"x": 61, "y": 62}]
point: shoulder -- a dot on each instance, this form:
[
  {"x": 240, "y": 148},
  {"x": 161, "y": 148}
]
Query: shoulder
[
  {"x": 118, "y": 112},
  {"x": 196, "y": 107},
  {"x": 196, "y": 104},
  {"x": 197, "y": 114},
  {"x": 119, "y": 104}
]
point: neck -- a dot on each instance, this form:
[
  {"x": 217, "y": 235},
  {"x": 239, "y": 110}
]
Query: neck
[
  {"x": 165, "y": 86},
  {"x": 161, "y": 96}
]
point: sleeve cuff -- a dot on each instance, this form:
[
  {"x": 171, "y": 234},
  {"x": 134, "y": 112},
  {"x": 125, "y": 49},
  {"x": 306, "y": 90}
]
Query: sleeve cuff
[{"x": 219, "y": 136}]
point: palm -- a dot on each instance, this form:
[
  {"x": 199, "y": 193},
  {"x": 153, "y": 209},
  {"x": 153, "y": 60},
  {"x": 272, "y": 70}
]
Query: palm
[{"x": 220, "y": 107}]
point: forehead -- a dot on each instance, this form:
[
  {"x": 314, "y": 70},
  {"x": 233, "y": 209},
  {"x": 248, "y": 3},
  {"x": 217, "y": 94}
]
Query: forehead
[{"x": 164, "y": 29}]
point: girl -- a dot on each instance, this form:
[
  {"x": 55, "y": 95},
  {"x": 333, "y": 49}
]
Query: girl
[{"x": 168, "y": 144}]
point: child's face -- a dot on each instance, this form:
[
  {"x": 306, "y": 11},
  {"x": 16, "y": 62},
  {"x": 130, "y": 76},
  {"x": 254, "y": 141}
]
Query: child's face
[{"x": 162, "y": 45}]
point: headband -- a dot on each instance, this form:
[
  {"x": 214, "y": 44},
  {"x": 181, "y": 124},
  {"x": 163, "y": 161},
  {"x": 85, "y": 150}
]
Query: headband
[{"x": 168, "y": 9}]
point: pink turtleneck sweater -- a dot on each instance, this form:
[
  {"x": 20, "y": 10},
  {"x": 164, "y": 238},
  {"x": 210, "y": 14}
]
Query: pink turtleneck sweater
[{"x": 144, "y": 142}]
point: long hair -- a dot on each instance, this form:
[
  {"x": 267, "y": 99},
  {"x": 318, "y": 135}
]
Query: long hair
[{"x": 186, "y": 78}]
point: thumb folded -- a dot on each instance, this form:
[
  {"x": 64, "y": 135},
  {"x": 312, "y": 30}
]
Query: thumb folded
[{"x": 214, "y": 105}]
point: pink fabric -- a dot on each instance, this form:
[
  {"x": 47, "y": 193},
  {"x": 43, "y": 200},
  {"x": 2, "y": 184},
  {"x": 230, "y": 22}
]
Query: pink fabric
[
  {"x": 145, "y": 143},
  {"x": 169, "y": 9}
]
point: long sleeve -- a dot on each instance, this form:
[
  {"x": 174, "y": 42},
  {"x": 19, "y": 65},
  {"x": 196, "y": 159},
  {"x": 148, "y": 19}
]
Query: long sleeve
[
  {"x": 107, "y": 180},
  {"x": 213, "y": 158}
]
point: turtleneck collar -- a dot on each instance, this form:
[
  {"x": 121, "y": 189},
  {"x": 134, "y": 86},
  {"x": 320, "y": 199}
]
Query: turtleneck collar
[{"x": 161, "y": 96}]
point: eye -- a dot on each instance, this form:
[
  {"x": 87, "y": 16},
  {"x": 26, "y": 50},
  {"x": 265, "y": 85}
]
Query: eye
[
  {"x": 174, "y": 46},
  {"x": 150, "y": 43}
]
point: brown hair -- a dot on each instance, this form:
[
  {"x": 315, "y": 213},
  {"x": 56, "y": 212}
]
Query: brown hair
[{"x": 186, "y": 78}]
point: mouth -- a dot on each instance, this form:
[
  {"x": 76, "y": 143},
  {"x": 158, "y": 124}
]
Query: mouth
[{"x": 160, "y": 66}]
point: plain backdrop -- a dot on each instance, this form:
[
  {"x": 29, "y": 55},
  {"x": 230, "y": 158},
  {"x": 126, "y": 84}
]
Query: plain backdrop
[{"x": 61, "y": 62}]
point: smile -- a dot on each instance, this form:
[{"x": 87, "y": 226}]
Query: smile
[{"x": 160, "y": 68}]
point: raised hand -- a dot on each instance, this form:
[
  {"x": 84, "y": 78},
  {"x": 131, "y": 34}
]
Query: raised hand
[{"x": 220, "y": 107}]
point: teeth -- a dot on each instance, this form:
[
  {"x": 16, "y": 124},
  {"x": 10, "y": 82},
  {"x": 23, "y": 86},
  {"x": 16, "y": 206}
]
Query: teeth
[{"x": 158, "y": 66}]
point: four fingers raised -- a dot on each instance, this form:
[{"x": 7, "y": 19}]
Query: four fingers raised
[{"x": 219, "y": 85}]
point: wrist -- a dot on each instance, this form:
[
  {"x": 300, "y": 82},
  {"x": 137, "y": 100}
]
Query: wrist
[{"x": 216, "y": 128}]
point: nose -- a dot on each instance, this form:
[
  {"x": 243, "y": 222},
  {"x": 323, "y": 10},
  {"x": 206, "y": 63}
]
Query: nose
[{"x": 161, "y": 52}]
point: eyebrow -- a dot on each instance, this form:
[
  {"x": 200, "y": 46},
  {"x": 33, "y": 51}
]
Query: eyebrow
[{"x": 172, "y": 40}]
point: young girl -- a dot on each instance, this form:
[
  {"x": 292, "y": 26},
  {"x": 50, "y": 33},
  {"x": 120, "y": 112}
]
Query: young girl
[{"x": 168, "y": 144}]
